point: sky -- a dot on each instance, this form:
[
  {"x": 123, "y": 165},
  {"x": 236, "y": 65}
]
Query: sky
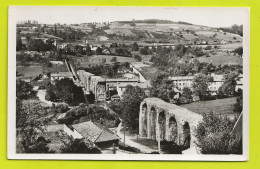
[{"x": 207, "y": 16}]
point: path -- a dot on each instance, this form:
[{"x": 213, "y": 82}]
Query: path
[{"x": 130, "y": 142}]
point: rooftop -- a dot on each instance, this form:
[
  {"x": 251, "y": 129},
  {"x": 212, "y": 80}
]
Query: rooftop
[
  {"x": 95, "y": 132},
  {"x": 62, "y": 74}
]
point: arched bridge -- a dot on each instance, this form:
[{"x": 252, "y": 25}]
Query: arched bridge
[{"x": 171, "y": 122}]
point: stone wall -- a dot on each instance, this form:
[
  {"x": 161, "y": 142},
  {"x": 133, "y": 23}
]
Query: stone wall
[{"x": 174, "y": 123}]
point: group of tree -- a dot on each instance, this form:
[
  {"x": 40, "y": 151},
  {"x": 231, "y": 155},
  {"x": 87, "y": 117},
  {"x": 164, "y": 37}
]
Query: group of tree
[
  {"x": 93, "y": 113},
  {"x": 38, "y": 45},
  {"x": 65, "y": 90},
  {"x": 104, "y": 70},
  {"x": 128, "y": 106},
  {"x": 236, "y": 29},
  {"x": 200, "y": 86},
  {"x": 239, "y": 51},
  {"x": 163, "y": 88},
  {"x": 24, "y": 90},
  {"x": 228, "y": 88},
  {"x": 215, "y": 135}
]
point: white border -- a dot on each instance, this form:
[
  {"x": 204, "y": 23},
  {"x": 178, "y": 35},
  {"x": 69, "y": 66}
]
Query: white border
[{"x": 11, "y": 148}]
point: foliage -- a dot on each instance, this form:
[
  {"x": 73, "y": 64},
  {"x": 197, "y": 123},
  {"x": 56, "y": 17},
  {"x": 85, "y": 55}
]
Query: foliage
[
  {"x": 131, "y": 99},
  {"x": 186, "y": 96},
  {"x": 200, "y": 86},
  {"x": 114, "y": 59},
  {"x": 24, "y": 90},
  {"x": 31, "y": 143},
  {"x": 215, "y": 137},
  {"x": 138, "y": 57},
  {"x": 129, "y": 148},
  {"x": 229, "y": 86},
  {"x": 135, "y": 46},
  {"x": 38, "y": 45},
  {"x": 79, "y": 146},
  {"x": 162, "y": 88},
  {"x": 239, "y": 51},
  {"x": 236, "y": 29},
  {"x": 66, "y": 91},
  {"x": 238, "y": 106}
]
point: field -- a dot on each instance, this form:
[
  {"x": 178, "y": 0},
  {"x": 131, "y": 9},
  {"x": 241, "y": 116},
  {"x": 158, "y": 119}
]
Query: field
[
  {"x": 98, "y": 59},
  {"x": 219, "y": 106},
  {"x": 30, "y": 72},
  {"x": 222, "y": 58}
]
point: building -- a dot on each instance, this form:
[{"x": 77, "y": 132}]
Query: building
[
  {"x": 239, "y": 82},
  {"x": 186, "y": 81},
  {"x": 56, "y": 63},
  {"x": 61, "y": 75},
  {"x": 96, "y": 133},
  {"x": 182, "y": 81}
]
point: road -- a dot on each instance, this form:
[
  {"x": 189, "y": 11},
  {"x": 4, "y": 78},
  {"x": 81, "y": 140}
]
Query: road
[{"x": 130, "y": 142}]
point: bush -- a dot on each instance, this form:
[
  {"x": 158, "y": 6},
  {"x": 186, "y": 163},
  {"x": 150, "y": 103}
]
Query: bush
[
  {"x": 215, "y": 135},
  {"x": 129, "y": 148}
]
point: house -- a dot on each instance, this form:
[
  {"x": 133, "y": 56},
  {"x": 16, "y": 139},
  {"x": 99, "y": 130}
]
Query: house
[
  {"x": 186, "y": 81},
  {"x": 96, "y": 133},
  {"x": 61, "y": 45},
  {"x": 182, "y": 81},
  {"x": 239, "y": 81},
  {"x": 56, "y": 63},
  {"x": 223, "y": 42},
  {"x": 61, "y": 75}
]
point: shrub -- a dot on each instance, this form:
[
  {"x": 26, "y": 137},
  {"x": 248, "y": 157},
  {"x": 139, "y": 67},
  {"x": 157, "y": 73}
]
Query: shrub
[{"x": 215, "y": 135}]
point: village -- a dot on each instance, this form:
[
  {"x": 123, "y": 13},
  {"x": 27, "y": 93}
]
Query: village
[{"x": 98, "y": 87}]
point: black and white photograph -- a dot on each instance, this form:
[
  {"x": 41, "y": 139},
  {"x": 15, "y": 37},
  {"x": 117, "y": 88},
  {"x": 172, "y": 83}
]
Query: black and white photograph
[{"x": 128, "y": 83}]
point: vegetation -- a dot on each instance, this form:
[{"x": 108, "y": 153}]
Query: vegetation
[
  {"x": 215, "y": 137},
  {"x": 65, "y": 90},
  {"x": 24, "y": 90},
  {"x": 200, "y": 85},
  {"x": 79, "y": 146},
  {"x": 229, "y": 86}
]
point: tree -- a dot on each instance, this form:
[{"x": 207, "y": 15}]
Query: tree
[
  {"x": 135, "y": 47},
  {"x": 19, "y": 45},
  {"x": 99, "y": 51},
  {"x": 144, "y": 50},
  {"x": 67, "y": 91},
  {"x": 114, "y": 59},
  {"x": 214, "y": 135},
  {"x": 200, "y": 86},
  {"x": 24, "y": 90},
  {"x": 238, "y": 106},
  {"x": 163, "y": 88},
  {"x": 138, "y": 57},
  {"x": 228, "y": 88},
  {"x": 239, "y": 51},
  {"x": 36, "y": 45},
  {"x": 186, "y": 96},
  {"x": 79, "y": 146},
  {"x": 131, "y": 100}
]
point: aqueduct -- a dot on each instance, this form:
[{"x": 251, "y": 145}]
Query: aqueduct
[{"x": 169, "y": 121}]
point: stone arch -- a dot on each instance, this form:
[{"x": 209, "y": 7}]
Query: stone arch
[
  {"x": 173, "y": 129},
  {"x": 186, "y": 135},
  {"x": 144, "y": 120},
  {"x": 162, "y": 125},
  {"x": 152, "y": 123}
]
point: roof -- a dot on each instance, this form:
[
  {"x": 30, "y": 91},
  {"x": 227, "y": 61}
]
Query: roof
[
  {"x": 122, "y": 80},
  {"x": 217, "y": 78},
  {"x": 62, "y": 74},
  {"x": 95, "y": 132},
  {"x": 181, "y": 78}
]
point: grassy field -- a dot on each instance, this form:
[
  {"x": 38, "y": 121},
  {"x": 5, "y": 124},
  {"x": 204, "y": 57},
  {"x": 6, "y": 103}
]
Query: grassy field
[
  {"x": 30, "y": 72},
  {"x": 219, "y": 106},
  {"x": 98, "y": 59},
  {"x": 222, "y": 58}
]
